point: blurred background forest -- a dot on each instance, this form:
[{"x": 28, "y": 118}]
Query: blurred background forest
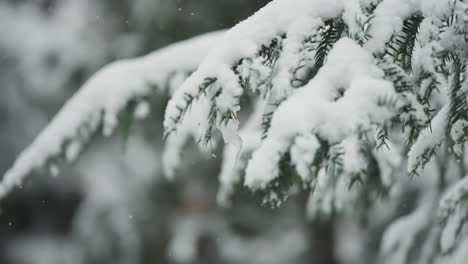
[{"x": 114, "y": 205}]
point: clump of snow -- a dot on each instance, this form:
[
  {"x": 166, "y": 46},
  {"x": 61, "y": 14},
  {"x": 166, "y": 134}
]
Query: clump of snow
[
  {"x": 457, "y": 134},
  {"x": 303, "y": 153},
  {"x": 388, "y": 20},
  {"x": 353, "y": 160},
  {"x": 142, "y": 110}
]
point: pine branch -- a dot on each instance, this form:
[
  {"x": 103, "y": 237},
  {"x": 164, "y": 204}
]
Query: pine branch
[
  {"x": 382, "y": 137},
  {"x": 266, "y": 123},
  {"x": 332, "y": 32},
  {"x": 271, "y": 53},
  {"x": 309, "y": 45},
  {"x": 458, "y": 107},
  {"x": 279, "y": 190},
  {"x": 412, "y": 109},
  {"x": 289, "y": 180},
  {"x": 458, "y": 104},
  {"x": 189, "y": 99},
  {"x": 268, "y": 55},
  {"x": 401, "y": 46},
  {"x": 329, "y": 35}
]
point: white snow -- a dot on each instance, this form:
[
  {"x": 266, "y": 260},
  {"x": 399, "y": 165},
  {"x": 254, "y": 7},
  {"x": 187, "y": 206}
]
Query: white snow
[
  {"x": 142, "y": 110},
  {"x": 303, "y": 152}
]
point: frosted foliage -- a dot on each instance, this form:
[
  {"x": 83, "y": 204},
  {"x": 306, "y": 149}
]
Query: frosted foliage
[
  {"x": 242, "y": 42},
  {"x": 349, "y": 97},
  {"x": 365, "y": 83}
]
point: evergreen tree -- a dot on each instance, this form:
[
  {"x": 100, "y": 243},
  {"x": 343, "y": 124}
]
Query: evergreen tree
[{"x": 339, "y": 96}]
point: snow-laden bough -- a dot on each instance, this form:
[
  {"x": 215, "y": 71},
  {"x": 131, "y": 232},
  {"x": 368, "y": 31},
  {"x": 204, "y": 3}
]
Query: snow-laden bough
[{"x": 100, "y": 100}]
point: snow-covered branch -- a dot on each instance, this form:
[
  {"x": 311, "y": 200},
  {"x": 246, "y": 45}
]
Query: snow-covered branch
[
  {"x": 97, "y": 104},
  {"x": 346, "y": 92}
]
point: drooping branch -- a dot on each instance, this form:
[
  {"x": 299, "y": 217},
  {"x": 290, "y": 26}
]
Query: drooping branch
[{"x": 121, "y": 86}]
